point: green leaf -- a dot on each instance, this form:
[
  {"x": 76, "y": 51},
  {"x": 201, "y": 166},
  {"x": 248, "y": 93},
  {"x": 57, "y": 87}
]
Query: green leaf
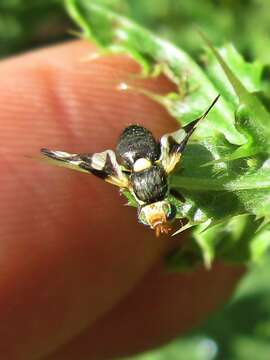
[
  {"x": 256, "y": 118},
  {"x": 118, "y": 34}
]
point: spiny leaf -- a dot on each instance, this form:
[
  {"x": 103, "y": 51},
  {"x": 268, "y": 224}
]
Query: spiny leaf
[
  {"x": 118, "y": 34},
  {"x": 229, "y": 198},
  {"x": 257, "y": 115}
]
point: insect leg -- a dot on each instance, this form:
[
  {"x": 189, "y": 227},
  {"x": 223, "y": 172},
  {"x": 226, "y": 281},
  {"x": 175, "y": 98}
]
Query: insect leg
[{"x": 177, "y": 195}]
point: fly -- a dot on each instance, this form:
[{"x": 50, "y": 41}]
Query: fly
[{"x": 141, "y": 165}]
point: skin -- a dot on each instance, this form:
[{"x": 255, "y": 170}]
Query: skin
[{"x": 79, "y": 277}]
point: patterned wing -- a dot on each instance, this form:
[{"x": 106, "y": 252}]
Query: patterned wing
[
  {"x": 172, "y": 145},
  {"x": 103, "y": 165}
]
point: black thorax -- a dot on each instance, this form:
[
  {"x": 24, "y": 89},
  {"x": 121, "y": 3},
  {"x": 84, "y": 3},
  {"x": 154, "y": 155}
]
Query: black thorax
[
  {"x": 136, "y": 142},
  {"x": 150, "y": 185}
]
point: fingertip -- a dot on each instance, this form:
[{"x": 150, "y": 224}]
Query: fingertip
[
  {"x": 66, "y": 237},
  {"x": 163, "y": 306}
]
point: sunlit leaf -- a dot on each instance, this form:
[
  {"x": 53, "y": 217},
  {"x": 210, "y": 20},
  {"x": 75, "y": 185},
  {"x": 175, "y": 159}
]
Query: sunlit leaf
[{"x": 224, "y": 175}]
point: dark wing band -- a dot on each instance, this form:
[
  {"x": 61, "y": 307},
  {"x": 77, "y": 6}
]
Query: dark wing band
[
  {"x": 103, "y": 165},
  {"x": 172, "y": 145}
]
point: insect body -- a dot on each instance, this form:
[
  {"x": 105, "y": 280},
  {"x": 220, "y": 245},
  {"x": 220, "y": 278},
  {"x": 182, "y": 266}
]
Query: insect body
[{"x": 140, "y": 165}]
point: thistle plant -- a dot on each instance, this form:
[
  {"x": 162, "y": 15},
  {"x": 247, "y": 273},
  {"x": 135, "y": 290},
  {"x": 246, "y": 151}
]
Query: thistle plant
[{"x": 225, "y": 172}]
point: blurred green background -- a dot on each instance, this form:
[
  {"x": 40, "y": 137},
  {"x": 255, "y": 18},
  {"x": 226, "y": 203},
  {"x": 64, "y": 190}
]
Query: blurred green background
[{"x": 241, "y": 330}]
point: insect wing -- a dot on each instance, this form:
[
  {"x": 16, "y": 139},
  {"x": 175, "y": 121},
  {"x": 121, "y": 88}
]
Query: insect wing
[
  {"x": 62, "y": 159},
  {"x": 103, "y": 165},
  {"x": 171, "y": 149},
  {"x": 172, "y": 145}
]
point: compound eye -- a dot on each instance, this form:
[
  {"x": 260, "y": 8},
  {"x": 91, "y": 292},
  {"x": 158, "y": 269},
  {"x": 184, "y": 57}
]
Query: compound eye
[
  {"x": 141, "y": 216},
  {"x": 170, "y": 211}
]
